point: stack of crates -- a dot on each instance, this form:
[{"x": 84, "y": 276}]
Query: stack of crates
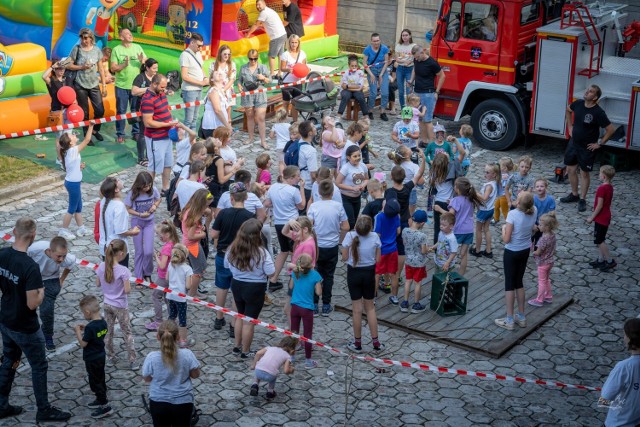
[{"x": 449, "y": 294}]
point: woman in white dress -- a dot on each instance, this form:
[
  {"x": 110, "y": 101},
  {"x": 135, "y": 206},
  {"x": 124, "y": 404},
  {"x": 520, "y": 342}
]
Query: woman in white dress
[
  {"x": 227, "y": 67},
  {"x": 215, "y": 107}
]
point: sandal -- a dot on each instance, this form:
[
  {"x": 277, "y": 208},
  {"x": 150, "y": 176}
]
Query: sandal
[
  {"x": 474, "y": 252},
  {"x": 143, "y": 163},
  {"x": 41, "y": 138}
]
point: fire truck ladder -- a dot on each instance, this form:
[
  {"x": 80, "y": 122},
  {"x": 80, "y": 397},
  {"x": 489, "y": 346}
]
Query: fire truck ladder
[{"x": 577, "y": 15}]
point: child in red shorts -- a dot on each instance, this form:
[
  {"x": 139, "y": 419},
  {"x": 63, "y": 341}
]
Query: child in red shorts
[
  {"x": 388, "y": 227},
  {"x": 415, "y": 267}
]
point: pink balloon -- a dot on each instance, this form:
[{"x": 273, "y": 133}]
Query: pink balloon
[
  {"x": 66, "y": 95},
  {"x": 300, "y": 70},
  {"x": 75, "y": 113}
]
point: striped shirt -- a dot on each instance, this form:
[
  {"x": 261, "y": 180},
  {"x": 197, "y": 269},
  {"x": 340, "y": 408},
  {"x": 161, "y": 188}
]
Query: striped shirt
[{"x": 157, "y": 105}]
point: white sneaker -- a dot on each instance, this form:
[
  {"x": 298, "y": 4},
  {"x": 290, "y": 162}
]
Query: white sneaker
[
  {"x": 64, "y": 232},
  {"x": 82, "y": 231}
]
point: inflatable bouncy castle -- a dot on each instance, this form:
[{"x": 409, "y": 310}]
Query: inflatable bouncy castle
[{"x": 33, "y": 32}]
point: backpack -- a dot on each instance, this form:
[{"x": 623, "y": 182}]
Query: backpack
[
  {"x": 292, "y": 153},
  {"x": 173, "y": 206}
]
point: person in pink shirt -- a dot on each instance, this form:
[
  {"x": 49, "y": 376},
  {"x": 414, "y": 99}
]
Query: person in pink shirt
[
  {"x": 267, "y": 364},
  {"x": 263, "y": 175},
  {"x": 168, "y": 235},
  {"x": 113, "y": 279},
  {"x": 332, "y": 144},
  {"x": 305, "y": 242}
]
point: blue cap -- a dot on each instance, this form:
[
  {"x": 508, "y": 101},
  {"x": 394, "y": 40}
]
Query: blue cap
[
  {"x": 173, "y": 134},
  {"x": 391, "y": 207},
  {"x": 419, "y": 216}
]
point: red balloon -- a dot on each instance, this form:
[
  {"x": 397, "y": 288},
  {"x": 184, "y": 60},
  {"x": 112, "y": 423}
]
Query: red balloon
[
  {"x": 300, "y": 70},
  {"x": 66, "y": 95},
  {"x": 75, "y": 114}
]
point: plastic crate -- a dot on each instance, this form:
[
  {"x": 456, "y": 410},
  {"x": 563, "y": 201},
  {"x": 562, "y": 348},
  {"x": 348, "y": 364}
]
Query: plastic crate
[
  {"x": 449, "y": 300},
  {"x": 620, "y": 160}
]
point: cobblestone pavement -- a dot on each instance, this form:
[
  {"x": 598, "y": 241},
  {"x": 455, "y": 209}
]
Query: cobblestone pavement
[{"x": 580, "y": 345}]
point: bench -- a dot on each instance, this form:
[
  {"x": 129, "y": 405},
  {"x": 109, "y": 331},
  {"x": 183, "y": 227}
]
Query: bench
[
  {"x": 353, "y": 108},
  {"x": 273, "y": 103}
]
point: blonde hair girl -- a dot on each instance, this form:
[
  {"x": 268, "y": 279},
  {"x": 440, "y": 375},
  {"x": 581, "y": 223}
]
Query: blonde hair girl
[
  {"x": 113, "y": 279},
  {"x": 163, "y": 370},
  {"x": 180, "y": 278}
]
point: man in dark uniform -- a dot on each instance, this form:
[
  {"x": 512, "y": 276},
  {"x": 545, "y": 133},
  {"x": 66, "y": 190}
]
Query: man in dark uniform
[
  {"x": 588, "y": 118},
  {"x": 22, "y": 293}
]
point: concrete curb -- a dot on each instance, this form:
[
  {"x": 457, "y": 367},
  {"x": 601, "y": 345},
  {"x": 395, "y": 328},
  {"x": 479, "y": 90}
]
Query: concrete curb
[{"x": 25, "y": 189}]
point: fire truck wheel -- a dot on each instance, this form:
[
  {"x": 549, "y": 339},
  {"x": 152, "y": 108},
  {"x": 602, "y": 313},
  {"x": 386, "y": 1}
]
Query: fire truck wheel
[{"x": 495, "y": 124}]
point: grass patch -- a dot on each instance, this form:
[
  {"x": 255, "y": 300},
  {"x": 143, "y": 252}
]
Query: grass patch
[{"x": 14, "y": 170}]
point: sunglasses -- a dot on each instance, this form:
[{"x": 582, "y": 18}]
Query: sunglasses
[
  {"x": 200, "y": 46},
  {"x": 85, "y": 36},
  {"x": 253, "y": 59}
]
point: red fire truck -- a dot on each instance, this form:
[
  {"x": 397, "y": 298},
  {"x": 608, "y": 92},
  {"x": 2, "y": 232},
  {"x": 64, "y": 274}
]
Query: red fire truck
[{"x": 514, "y": 66}]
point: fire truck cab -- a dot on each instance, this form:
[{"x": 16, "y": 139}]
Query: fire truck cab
[{"x": 514, "y": 66}]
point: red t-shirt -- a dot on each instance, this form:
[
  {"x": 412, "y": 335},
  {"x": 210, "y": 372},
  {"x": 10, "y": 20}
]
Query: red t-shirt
[
  {"x": 157, "y": 105},
  {"x": 604, "y": 191}
]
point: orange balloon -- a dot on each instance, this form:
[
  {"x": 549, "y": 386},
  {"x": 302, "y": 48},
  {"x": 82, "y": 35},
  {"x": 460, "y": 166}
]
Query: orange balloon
[{"x": 300, "y": 70}]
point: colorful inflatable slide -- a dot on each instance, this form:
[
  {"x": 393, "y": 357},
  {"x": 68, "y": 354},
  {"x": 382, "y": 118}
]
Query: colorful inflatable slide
[{"x": 34, "y": 31}]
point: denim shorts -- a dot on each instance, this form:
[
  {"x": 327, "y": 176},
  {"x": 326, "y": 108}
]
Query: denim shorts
[
  {"x": 223, "y": 274},
  {"x": 429, "y": 101},
  {"x": 464, "y": 239},
  {"x": 484, "y": 216},
  {"x": 266, "y": 377},
  {"x": 413, "y": 197},
  {"x": 160, "y": 153},
  {"x": 75, "y": 197}
]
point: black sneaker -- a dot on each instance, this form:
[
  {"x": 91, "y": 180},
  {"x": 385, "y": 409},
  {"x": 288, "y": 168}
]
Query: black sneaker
[
  {"x": 271, "y": 394},
  {"x": 248, "y": 355},
  {"x": 49, "y": 345},
  {"x": 275, "y": 286},
  {"x": 97, "y": 136},
  {"x": 370, "y": 116},
  {"x": 597, "y": 264},
  {"x": 11, "y": 411},
  {"x": 236, "y": 350},
  {"x": 608, "y": 266},
  {"x": 52, "y": 414},
  {"x": 202, "y": 289},
  {"x": 474, "y": 252},
  {"x": 219, "y": 323},
  {"x": 254, "y": 390},
  {"x": 95, "y": 404},
  {"x": 232, "y": 332},
  {"x": 582, "y": 205},
  {"x": 102, "y": 412},
  {"x": 487, "y": 254},
  {"x": 384, "y": 117},
  {"x": 570, "y": 198}
]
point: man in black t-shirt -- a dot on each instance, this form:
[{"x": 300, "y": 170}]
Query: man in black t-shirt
[
  {"x": 292, "y": 19},
  {"x": 225, "y": 227},
  {"x": 423, "y": 76},
  {"x": 588, "y": 118},
  {"x": 22, "y": 293}
]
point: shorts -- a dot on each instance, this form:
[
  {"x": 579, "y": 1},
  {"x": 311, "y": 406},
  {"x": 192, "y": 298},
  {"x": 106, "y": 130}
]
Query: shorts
[
  {"x": 276, "y": 46},
  {"x": 599, "y": 233},
  {"x": 257, "y": 100},
  {"x": 417, "y": 274},
  {"x": 223, "y": 274},
  {"x": 75, "y": 197},
  {"x": 288, "y": 93},
  {"x": 199, "y": 263},
  {"x": 577, "y": 154},
  {"x": 179, "y": 310},
  {"x": 160, "y": 153},
  {"x": 249, "y": 297},
  {"x": 286, "y": 244},
  {"x": 464, "y": 239},
  {"x": 361, "y": 282},
  {"x": 413, "y": 197},
  {"x": 429, "y": 101},
  {"x": 329, "y": 162},
  {"x": 388, "y": 264},
  {"x": 484, "y": 216}
]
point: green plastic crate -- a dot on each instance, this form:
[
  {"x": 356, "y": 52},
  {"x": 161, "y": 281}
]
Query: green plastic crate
[{"x": 449, "y": 300}]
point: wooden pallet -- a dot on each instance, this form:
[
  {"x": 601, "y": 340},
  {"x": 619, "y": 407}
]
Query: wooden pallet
[{"x": 473, "y": 331}]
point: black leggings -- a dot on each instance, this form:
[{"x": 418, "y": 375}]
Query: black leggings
[
  {"x": 166, "y": 414},
  {"x": 515, "y": 264},
  {"x": 352, "y": 208}
]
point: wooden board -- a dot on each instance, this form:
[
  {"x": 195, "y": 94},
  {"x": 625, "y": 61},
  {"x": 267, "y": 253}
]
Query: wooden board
[{"x": 474, "y": 330}]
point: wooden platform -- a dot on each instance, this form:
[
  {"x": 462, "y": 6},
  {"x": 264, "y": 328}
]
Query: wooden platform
[{"x": 473, "y": 331}]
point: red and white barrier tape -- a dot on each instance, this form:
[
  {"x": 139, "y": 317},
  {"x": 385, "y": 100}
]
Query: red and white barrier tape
[
  {"x": 172, "y": 107},
  {"x": 390, "y": 362}
]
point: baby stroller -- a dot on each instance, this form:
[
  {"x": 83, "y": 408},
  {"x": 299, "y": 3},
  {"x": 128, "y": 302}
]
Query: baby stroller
[{"x": 317, "y": 96}]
